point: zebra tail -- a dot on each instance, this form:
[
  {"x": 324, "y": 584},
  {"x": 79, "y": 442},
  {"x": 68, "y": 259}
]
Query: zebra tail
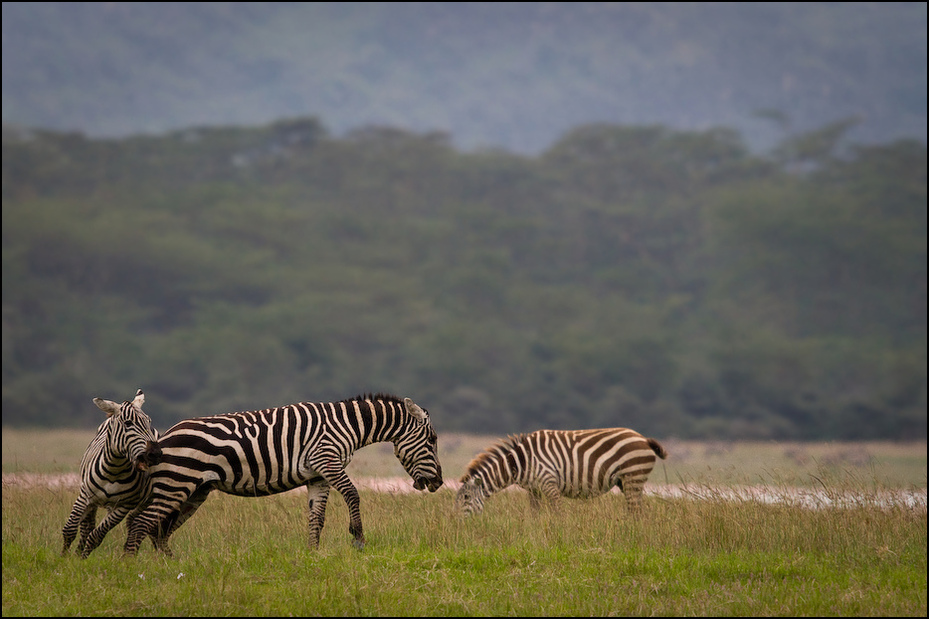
[{"x": 657, "y": 448}]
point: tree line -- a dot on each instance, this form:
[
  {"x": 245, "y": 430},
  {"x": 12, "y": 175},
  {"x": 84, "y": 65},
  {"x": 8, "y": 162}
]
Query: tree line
[{"x": 671, "y": 281}]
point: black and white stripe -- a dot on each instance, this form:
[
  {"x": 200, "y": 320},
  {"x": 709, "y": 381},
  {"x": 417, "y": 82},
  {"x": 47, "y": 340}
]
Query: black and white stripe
[
  {"x": 112, "y": 472},
  {"x": 258, "y": 453},
  {"x": 561, "y": 463}
]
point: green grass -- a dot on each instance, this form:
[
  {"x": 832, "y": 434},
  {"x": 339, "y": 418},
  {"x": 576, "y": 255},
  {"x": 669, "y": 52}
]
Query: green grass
[
  {"x": 710, "y": 557},
  {"x": 249, "y": 557}
]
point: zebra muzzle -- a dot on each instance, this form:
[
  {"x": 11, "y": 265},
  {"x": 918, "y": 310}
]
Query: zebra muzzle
[
  {"x": 150, "y": 457},
  {"x": 432, "y": 484}
]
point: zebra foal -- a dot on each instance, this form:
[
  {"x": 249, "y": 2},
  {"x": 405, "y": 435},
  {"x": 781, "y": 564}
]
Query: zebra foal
[
  {"x": 112, "y": 472},
  {"x": 258, "y": 453},
  {"x": 561, "y": 463}
]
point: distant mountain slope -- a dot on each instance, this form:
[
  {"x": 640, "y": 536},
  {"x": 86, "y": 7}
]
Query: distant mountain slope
[{"x": 510, "y": 75}]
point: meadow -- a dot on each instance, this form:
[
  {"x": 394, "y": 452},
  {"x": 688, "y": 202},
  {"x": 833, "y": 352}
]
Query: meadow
[{"x": 682, "y": 556}]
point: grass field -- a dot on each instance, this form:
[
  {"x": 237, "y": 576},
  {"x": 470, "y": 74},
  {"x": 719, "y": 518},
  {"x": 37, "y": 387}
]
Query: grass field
[{"x": 708, "y": 557}]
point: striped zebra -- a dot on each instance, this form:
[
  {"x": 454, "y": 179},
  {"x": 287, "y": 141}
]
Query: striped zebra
[
  {"x": 561, "y": 463},
  {"x": 258, "y": 453},
  {"x": 112, "y": 472}
]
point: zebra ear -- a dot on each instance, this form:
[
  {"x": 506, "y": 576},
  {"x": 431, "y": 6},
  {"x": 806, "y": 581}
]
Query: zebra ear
[
  {"x": 107, "y": 406},
  {"x": 414, "y": 409},
  {"x": 139, "y": 399}
]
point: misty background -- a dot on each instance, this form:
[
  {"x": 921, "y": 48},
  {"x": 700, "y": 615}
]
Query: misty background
[
  {"x": 698, "y": 220},
  {"x": 512, "y": 75}
]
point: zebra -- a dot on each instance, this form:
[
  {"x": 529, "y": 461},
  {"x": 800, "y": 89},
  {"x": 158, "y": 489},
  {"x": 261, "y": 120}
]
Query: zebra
[
  {"x": 112, "y": 472},
  {"x": 561, "y": 463},
  {"x": 258, "y": 453}
]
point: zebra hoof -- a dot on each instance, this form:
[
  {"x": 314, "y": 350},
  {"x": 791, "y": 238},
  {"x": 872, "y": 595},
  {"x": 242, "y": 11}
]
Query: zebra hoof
[{"x": 359, "y": 544}]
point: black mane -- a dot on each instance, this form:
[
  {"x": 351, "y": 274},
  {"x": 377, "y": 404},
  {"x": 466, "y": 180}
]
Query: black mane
[
  {"x": 498, "y": 449},
  {"x": 386, "y": 397}
]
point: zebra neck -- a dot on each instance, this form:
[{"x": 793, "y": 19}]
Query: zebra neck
[
  {"x": 116, "y": 462},
  {"x": 500, "y": 470},
  {"x": 378, "y": 427}
]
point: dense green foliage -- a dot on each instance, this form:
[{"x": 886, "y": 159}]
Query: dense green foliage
[{"x": 673, "y": 282}]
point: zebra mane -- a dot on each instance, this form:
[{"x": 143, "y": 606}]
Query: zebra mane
[
  {"x": 499, "y": 449},
  {"x": 386, "y": 397}
]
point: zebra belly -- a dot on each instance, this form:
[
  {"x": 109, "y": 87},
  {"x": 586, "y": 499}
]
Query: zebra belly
[
  {"x": 582, "y": 487},
  {"x": 229, "y": 470},
  {"x": 247, "y": 485},
  {"x": 234, "y": 466},
  {"x": 583, "y": 493}
]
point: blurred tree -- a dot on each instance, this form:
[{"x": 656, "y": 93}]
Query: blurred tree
[{"x": 664, "y": 280}]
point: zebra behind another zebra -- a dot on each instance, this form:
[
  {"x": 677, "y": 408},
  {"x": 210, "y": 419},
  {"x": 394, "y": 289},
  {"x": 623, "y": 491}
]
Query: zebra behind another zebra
[
  {"x": 557, "y": 463},
  {"x": 112, "y": 472},
  {"x": 258, "y": 453}
]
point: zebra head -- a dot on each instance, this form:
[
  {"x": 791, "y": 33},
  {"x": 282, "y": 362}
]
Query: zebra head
[
  {"x": 130, "y": 434},
  {"x": 470, "y": 497},
  {"x": 417, "y": 449}
]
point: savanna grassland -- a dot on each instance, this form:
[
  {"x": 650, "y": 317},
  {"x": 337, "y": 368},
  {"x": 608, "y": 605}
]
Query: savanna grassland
[{"x": 683, "y": 556}]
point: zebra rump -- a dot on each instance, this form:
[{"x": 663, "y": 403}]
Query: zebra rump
[{"x": 561, "y": 463}]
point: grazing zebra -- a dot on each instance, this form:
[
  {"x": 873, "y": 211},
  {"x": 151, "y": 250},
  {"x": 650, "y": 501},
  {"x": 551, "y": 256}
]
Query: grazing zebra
[
  {"x": 258, "y": 453},
  {"x": 556, "y": 463},
  {"x": 112, "y": 472}
]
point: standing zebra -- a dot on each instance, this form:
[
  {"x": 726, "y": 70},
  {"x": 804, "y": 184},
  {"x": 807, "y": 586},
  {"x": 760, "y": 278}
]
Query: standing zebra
[
  {"x": 258, "y": 453},
  {"x": 112, "y": 472},
  {"x": 556, "y": 463}
]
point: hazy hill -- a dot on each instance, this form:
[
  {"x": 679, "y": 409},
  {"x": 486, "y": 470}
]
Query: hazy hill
[{"x": 511, "y": 75}]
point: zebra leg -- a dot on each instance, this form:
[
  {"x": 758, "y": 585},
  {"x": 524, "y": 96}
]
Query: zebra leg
[
  {"x": 333, "y": 474},
  {"x": 139, "y": 526},
  {"x": 339, "y": 480},
  {"x": 632, "y": 486},
  {"x": 549, "y": 489},
  {"x": 130, "y": 518},
  {"x": 163, "y": 531},
  {"x": 173, "y": 521},
  {"x": 69, "y": 531},
  {"x": 535, "y": 499},
  {"x": 87, "y": 526},
  {"x": 147, "y": 521},
  {"x": 96, "y": 536},
  {"x": 157, "y": 542},
  {"x": 318, "y": 492}
]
